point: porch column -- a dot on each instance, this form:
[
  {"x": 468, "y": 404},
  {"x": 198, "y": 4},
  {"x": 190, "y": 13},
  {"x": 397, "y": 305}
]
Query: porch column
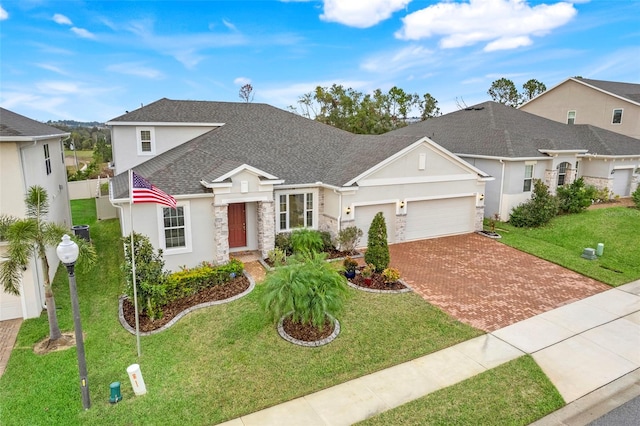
[
  {"x": 221, "y": 233},
  {"x": 551, "y": 180},
  {"x": 266, "y": 227}
]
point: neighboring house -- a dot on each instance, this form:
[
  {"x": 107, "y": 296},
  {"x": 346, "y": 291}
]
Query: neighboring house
[
  {"x": 516, "y": 147},
  {"x": 609, "y": 105},
  {"x": 31, "y": 153},
  {"x": 254, "y": 170}
]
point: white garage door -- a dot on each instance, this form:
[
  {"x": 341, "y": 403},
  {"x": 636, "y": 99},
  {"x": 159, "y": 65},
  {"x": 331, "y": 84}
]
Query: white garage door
[
  {"x": 10, "y": 306},
  {"x": 434, "y": 218},
  {"x": 364, "y": 215},
  {"x": 622, "y": 182}
]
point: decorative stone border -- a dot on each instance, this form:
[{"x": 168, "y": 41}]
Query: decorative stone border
[
  {"x": 125, "y": 324},
  {"x": 407, "y": 288},
  {"x": 489, "y": 234},
  {"x": 328, "y": 339}
]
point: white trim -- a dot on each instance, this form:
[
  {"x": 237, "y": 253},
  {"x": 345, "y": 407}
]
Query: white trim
[
  {"x": 32, "y": 138},
  {"x": 415, "y": 179},
  {"x": 222, "y": 201},
  {"x": 161, "y": 123},
  {"x": 270, "y": 181},
  {"x": 613, "y": 114},
  {"x": 241, "y": 168},
  {"x": 188, "y": 248},
  {"x": 411, "y": 147},
  {"x": 498, "y": 158},
  {"x": 315, "y": 212},
  {"x": 630, "y": 166},
  {"x": 440, "y": 197},
  {"x": 563, "y": 151}
]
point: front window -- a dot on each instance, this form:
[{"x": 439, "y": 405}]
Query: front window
[
  {"x": 174, "y": 227},
  {"x": 47, "y": 159},
  {"x": 571, "y": 117},
  {"x": 528, "y": 177},
  {"x": 295, "y": 211},
  {"x": 617, "y": 116},
  {"x": 562, "y": 172}
]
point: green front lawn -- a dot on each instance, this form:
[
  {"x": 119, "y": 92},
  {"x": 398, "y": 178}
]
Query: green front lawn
[
  {"x": 563, "y": 239},
  {"x": 215, "y": 364},
  {"x": 515, "y": 393}
]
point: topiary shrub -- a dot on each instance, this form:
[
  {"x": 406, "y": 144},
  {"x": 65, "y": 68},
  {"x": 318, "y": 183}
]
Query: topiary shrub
[
  {"x": 636, "y": 197},
  {"x": 377, "y": 246},
  {"x": 575, "y": 198},
  {"x": 307, "y": 286},
  {"x": 540, "y": 209},
  {"x": 306, "y": 240}
]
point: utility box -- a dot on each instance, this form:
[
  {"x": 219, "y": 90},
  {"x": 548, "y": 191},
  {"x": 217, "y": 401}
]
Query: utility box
[
  {"x": 137, "y": 382},
  {"x": 81, "y": 231}
]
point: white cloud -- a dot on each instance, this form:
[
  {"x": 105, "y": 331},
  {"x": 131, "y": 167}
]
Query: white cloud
[
  {"x": 81, "y": 32},
  {"x": 57, "y": 87},
  {"x": 406, "y": 58},
  {"x": 504, "y": 24},
  {"x": 241, "y": 81},
  {"x": 229, "y": 25},
  {"x": 136, "y": 69},
  {"x": 61, "y": 19},
  {"x": 53, "y": 68},
  {"x": 3, "y": 14},
  {"x": 360, "y": 13}
]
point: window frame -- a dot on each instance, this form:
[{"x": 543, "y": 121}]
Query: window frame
[
  {"x": 162, "y": 242},
  {"x": 528, "y": 179},
  {"x": 570, "y": 119},
  {"x": 613, "y": 116},
  {"x": 312, "y": 212},
  {"x": 563, "y": 174},
  {"x": 47, "y": 159},
  {"x": 140, "y": 141}
]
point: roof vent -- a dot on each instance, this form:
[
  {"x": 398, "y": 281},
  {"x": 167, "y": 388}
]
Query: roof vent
[{"x": 478, "y": 108}]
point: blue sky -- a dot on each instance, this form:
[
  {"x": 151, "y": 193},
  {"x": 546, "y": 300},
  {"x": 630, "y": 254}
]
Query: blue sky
[{"x": 92, "y": 60}]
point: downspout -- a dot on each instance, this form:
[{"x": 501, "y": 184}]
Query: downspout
[
  {"x": 339, "y": 210},
  {"x": 501, "y": 189}
]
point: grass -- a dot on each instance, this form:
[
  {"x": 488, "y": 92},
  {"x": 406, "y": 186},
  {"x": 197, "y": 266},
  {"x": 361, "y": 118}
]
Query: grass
[
  {"x": 83, "y": 211},
  {"x": 563, "y": 239},
  {"x": 213, "y": 365},
  {"x": 489, "y": 398}
]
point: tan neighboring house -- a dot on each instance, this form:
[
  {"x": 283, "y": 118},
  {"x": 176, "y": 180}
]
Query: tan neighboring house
[
  {"x": 242, "y": 173},
  {"x": 31, "y": 153},
  {"x": 609, "y": 105}
]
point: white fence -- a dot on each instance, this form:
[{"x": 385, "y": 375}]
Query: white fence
[{"x": 83, "y": 189}]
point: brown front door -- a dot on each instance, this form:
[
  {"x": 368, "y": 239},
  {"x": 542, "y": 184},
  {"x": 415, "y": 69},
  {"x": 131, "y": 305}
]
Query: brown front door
[{"x": 237, "y": 225}]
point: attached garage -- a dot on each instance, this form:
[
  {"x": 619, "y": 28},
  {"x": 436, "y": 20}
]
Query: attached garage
[
  {"x": 622, "y": 182},
  {"x": 434, "y": 218},
  {"x": 365, "y": 214}
]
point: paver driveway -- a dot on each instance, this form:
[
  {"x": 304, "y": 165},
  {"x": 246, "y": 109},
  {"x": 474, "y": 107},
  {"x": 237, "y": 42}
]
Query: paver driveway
[{"x": 485, "y": 283}]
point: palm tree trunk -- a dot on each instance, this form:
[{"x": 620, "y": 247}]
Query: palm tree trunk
[{"x": 54, "y": 328}]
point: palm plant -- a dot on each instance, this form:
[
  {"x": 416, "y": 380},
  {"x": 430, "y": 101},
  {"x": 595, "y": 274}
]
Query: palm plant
[
  {"x": 308, "y": 287},
  {"x": 29, "y": 238}
]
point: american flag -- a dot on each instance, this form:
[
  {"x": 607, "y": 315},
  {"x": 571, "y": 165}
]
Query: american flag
[{"x": 144, "y": 192}]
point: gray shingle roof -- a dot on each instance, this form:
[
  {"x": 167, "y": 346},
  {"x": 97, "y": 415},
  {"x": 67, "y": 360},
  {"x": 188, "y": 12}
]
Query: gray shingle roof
[
  {"x": 16, "y": 125},
  {"x": 493, "y": 129},
  {"x": 630, "y": 91},
  {"x": 283, "y": 144}
]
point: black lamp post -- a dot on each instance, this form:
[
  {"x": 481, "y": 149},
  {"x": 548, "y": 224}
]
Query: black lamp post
[{"x": 68, "y": 251}]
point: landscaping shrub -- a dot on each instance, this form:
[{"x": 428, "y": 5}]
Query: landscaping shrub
[
  {"x": 377, "y": 246},
  {"x": 602, "y": 195},
  {"x": 537, "y": 211},
  {"x": 306, "y": 240},
  {"x": 575, "y": 198},
  {"x": 636, "y": 197},
  {"x": 391, "y": 275},
  {"x": 327, "y": 241},
  {"x": 283, "y": 242},
  {"x": 348, "y": 238},
  {"x": 150, "y": 275},
  {"x": 189, "y": 281},
  {"x": 276, "y": 257},
  {"x": 307, "y": 286}
]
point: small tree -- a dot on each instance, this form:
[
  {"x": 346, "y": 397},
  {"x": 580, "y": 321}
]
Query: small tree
[
  {"x": 150, "y": 275},
  {"x": 307, "y": 286},
  {"x": 540, "y": 209},
  {"x": 29, "y": 238},
  {"x": 575, "y": 198},
  {"x": 636, "y": 197},
  {"x": 377, "y": 246}
]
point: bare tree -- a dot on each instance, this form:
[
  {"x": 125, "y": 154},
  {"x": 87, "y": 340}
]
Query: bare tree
[{"x": 246, "y": 93}]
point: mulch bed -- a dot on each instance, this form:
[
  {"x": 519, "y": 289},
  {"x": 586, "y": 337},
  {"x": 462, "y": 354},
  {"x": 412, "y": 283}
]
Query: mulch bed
[
  {"x": 307, "y": 333},
  {"x": 377, "y": 283},
  {"x": 211, "y": 294}
]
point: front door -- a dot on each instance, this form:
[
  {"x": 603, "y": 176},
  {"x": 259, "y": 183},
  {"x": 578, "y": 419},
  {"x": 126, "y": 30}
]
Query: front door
[{"x": 237, "y": 225}]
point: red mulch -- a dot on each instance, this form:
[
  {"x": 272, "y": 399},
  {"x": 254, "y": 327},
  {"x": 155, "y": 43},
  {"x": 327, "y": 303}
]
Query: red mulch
[
  {"x": 307, "y": 333},
  {"x": 377, "y": 282},
  {"x": 170, "y": 311}
]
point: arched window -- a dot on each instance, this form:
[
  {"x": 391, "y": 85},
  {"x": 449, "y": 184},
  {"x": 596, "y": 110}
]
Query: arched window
[{"x": 563, "y": 168}]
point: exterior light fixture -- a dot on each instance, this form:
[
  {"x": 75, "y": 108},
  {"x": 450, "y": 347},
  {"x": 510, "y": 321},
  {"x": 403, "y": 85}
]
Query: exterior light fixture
[{"x": 348, "y": 210}]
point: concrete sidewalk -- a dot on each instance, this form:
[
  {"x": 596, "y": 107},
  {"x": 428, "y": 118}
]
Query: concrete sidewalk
[{"x": 581, "y": 347}]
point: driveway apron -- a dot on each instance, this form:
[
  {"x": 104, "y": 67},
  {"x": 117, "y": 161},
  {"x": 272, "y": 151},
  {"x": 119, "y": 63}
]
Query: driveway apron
[{"x": 484, "y": 283}]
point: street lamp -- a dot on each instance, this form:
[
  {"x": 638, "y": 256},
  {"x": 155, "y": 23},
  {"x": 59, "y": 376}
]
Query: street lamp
[{"x": 68, "y": 251}]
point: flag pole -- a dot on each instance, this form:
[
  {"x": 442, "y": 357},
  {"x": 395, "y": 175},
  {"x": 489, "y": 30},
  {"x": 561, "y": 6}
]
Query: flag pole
[{"x": 133, "y": 262}]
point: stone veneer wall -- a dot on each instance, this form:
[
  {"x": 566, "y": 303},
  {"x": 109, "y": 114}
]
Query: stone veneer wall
[
  {"x": 401, "y": 227},
  {"x": 599, "y": 182},
  {"x": 221, "y": 234},
  {"x": 266, "y": 227},
  {"x": 479, "y": 218}
]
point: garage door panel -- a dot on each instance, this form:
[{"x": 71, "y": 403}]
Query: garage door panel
[
  {"x": 365, "y": 214},
  {"x": 434, "y": 218},
  {"x": 622, "y": 182}
]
